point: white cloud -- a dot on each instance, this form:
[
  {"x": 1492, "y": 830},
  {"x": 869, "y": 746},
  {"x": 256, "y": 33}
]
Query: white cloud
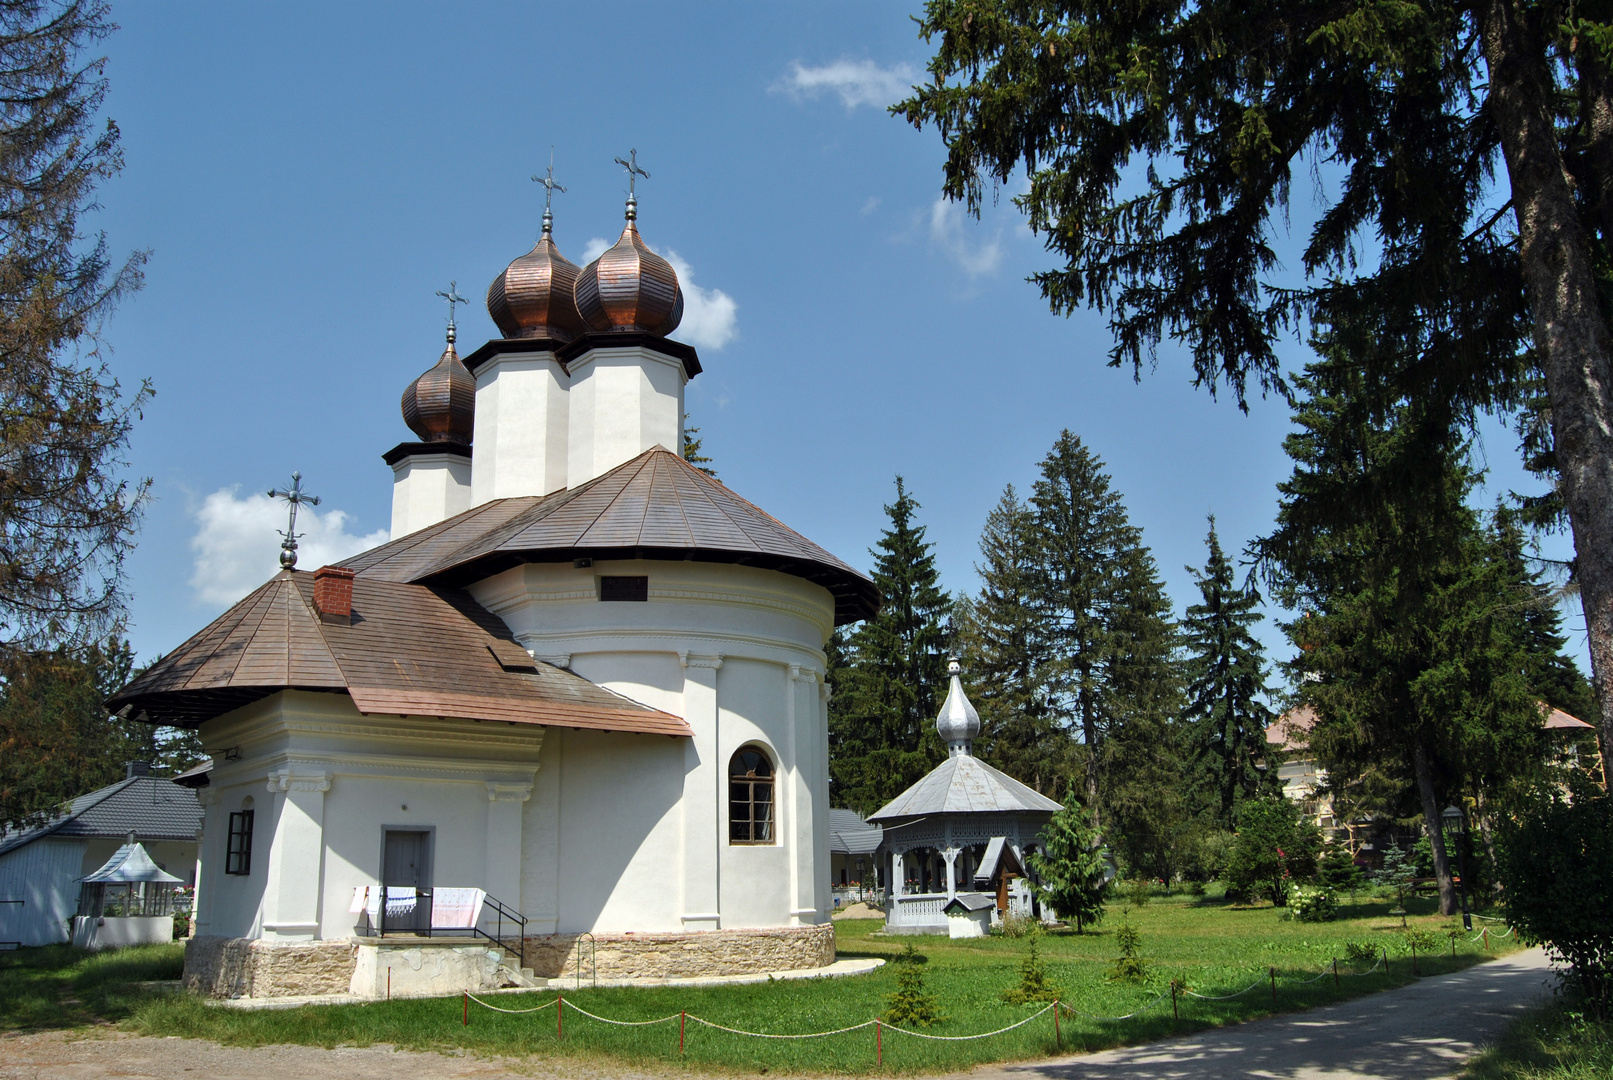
[
  {"x": 871, "y": 205},
  {"x": 595, "y": 247},
  {"x": 950, "y": 233},
  {"x": 709, "y": 315},
  {"x": 856, "y": 82},
  {"x": 236, "y": 548}
]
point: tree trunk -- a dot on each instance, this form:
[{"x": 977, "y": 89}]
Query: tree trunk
[
  {"x": 1432, "y": 823},
  {"x": 1570, "y": 333}
]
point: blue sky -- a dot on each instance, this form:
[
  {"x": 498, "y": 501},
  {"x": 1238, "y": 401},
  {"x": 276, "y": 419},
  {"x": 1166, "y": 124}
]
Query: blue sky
[{"x": 307, "y": 176}]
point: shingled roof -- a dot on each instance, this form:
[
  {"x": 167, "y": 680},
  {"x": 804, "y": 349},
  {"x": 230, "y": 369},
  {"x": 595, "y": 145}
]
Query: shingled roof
[
  {"x": 656, "y": 506},
  {"x": 963, "y": 784},
  {"x": 148, "y": 806},
  {"x": 409, "y": 650}
]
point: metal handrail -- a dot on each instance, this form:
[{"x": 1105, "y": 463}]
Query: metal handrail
[
  {"x": 517, "y": 921},
  {"x": 593, "y": 958}
]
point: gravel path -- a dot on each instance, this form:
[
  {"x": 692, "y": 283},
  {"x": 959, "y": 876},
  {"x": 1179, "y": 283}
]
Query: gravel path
[{"x": 1420, "y": 1032}]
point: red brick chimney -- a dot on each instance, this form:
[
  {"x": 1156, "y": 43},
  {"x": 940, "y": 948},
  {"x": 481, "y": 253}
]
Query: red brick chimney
[{"x": 333, "y": 594}]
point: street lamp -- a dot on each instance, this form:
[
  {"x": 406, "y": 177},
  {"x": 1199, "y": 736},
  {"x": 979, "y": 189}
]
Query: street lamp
[{"x": 1452, "y": 816}]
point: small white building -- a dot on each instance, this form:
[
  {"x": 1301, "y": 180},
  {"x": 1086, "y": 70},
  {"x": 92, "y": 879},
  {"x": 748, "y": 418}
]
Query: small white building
[
  {"x": 965, "y": 826},
  {"x": 41, "y": 868},
  {"x": 583, "y": 678}
]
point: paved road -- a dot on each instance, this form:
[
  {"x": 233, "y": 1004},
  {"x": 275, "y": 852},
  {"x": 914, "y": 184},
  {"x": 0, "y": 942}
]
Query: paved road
[{"x": 1420, "y": 1032}]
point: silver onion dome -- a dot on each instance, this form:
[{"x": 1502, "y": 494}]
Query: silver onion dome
[{"x": 958, "y": 722}]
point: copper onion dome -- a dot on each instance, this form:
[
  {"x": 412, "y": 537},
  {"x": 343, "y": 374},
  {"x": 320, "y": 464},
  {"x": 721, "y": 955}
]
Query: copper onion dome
[
  {"x": 630, "y": 287},
  {"x": 533, "y": 297},
  {"x": 440, "y": 406}
]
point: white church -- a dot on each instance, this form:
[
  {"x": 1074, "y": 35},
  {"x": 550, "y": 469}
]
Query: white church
[{"x": 577, "y": 701}]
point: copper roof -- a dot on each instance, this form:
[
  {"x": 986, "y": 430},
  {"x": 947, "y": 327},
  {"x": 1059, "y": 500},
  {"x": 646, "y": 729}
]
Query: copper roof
[
  {"x": 409, "y": 650},
  {"x": 533, "y": 297},
  {"x": 440, "y": 405},
  {"x": 656, "y": 506},
  {"x": 630, "y": 287}
]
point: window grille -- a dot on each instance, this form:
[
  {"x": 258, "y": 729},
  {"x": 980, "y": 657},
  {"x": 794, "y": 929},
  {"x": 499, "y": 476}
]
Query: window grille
[
  {"x": 750, "y": 798},
  {"x": 239, "y": 857},
  {"x": 624, "y": 588}
]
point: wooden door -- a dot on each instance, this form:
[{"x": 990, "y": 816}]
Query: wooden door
[{"x": 406, "y": 864}]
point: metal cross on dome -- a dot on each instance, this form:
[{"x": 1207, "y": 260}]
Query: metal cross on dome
[
  {"x": 295, "y": 496},
  {"x": 549, "y": 185},
  {"x": 630, "y": 163},
  {"x": 453, "y": 297}
]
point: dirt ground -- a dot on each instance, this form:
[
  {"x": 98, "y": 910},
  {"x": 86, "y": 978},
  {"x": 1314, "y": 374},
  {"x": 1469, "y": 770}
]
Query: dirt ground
[{"x": 90, "y": 1055}]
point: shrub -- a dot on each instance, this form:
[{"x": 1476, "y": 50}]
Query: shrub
[
  {"x": 1195, "y": 888},
  {"x": 1073, "y": 864},
  {"x": 1338, "y": 870},
  {"x": 1361, "y": 952},
  {"x": 1129, "y": 964},
  {"x": 1034, "y": 985},
  {"x": 1015, "y": 925},
  {"x": 1397, "y": 876},
  {"x": 1311, "y": 905},
  {"x": 1275, "y": 848},
  {"x": 1555, "y": 859},
  {"x": 1139, "y": 891},
  {"x": 910, "y": 1004}
]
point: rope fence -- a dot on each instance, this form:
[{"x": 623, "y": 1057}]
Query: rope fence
[{"x": 1057, "y": 1008}]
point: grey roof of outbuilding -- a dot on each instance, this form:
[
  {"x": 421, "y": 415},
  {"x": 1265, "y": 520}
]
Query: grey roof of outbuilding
[
  {"x": 963, "y": 784},
  {"x": 849, "y": 834},
  {"x": 969, "y": 901},
  {"x": 149, "y": 806}
]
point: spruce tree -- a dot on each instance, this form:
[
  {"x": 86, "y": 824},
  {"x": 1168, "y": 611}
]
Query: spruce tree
[
  {"x": 1224, "y": 665},
  {"x": 882, "y": 714},
  {"x": 1110, "y": 639},
  {"x": 1001, "y": 636},
  {"x": 1074, "y": 872},
  {"x": 1409, "y": 635}
]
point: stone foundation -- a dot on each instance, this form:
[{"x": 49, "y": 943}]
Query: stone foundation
[
  {"x": 701, "y": 954},
  {"x": 223, "y": 967}
]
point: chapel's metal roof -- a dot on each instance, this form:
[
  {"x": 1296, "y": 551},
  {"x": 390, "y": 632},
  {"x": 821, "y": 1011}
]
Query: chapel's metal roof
[
  {"x": 148, "y": 806},
  {"x": 656, "y": 506},
  {"x": 849, "y": 834},
  {"x": 963, "y": 784},
  {"x": 130, "y": 864},
  {"x": 408, "y": 650}
]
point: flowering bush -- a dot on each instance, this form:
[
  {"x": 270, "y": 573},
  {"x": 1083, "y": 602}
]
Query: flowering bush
[{"x": 1311, "y": 905}]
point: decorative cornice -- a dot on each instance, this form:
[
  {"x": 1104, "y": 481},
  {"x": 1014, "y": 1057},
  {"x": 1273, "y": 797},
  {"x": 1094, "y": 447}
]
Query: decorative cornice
[
  {"x": 498, "y": 791},
  {"x": 287, "y": 780},
  {"x": 558, "y": 659},
  {"x": 693, "y": 660}
]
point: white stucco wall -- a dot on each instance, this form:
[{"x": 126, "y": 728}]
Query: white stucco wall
[
  {"x": 426, "y": 488},
  {"x": 519, "y": 441},
  {"x": 326, "y": 782},
  {"x": 623, "y": 402},
  {"x": 737, "y": 652},
  {"x": 579, "y": 830}
]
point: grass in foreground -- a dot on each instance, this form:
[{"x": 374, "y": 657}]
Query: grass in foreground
[
  {"x": 61, "y": 987},
  {"x": 1556, "y": 1042},
  {"x": 1213, "y": 947}
]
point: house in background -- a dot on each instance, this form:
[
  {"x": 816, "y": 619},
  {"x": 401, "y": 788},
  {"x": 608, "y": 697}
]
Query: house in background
[
  {"x": 853, "y": 865},
  {"x": 1303, "y": 780},
  {"x": 41, "y": 868}
]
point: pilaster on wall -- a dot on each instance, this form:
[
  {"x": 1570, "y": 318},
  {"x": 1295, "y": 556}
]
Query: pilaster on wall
[
  {"x": 803, "y": 813},
  {"x": 205, "y": 861},
  {"x": 296, "y": 873},
  {"x": 702, "y": 795},
  {"x": 504, "y": 850}
]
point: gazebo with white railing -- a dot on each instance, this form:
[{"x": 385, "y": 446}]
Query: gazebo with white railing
[{"x": 965, "y": 827}]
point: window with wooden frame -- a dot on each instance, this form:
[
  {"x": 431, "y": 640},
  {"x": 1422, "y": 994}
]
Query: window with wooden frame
[
  {"x": 750, "y": 797},
  {"x": 630, "y": 589},
  {"x": 238, "y": 856}
]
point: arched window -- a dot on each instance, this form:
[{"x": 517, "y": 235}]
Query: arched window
[{"x": 750, "y": 797}]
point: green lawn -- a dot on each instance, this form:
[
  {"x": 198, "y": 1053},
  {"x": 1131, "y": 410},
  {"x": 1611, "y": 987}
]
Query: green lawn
[
  {"x": 1556, "y": 1042},
  {"x": 1212, "y": 947}
]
